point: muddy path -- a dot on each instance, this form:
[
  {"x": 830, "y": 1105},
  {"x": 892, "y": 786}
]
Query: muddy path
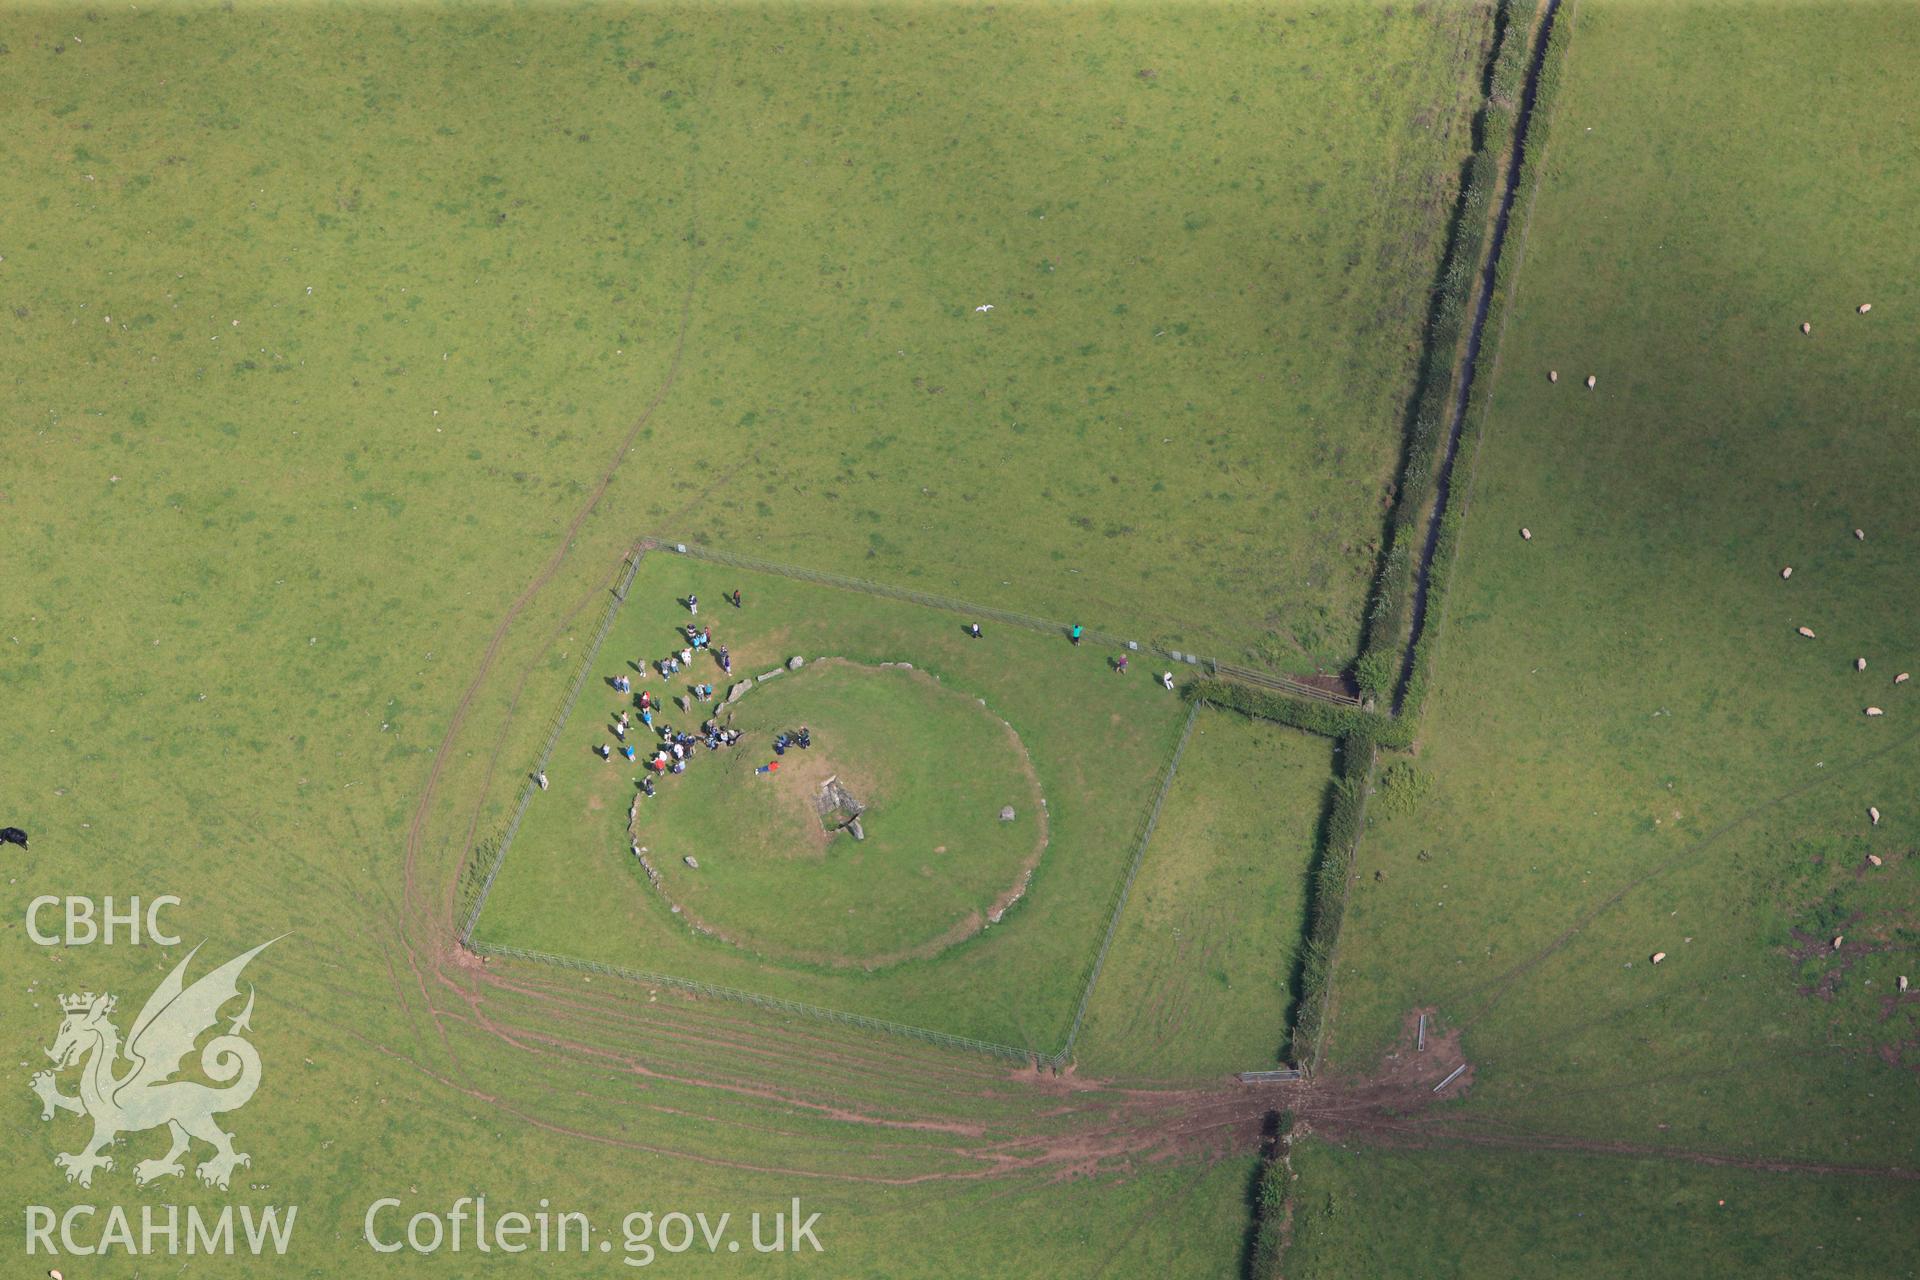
[{"x": 615, "y": 1064}]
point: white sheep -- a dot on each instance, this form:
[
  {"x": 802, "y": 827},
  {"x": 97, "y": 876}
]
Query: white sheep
[
  {"x": 1859, "y": 664},
  {"x": 1838, "y": 938},
  {"x": 1902, "y": 678},
  {"x": 1875, "y": 711},
  {"x": 1873, "y": 859},
  {"x": 1805, "y": 327},
  {"x": 1805, "y": 631},
  {"x": 1874, "y": 813},
  {"x": 1787, "y": 572},
  {"x": 1590, "y": 381},
  {"x": 1553, "y": 375},
  {"x": 1865, "y": 307},
  {"x": 1658, "y": 956},
  {"x": 1903, "y": 982},
  {"x": 1860, "y": 535},
  {"x": 1526, "y": 534}
]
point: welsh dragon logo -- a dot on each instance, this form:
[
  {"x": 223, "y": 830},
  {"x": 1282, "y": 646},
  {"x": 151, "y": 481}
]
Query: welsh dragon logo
[{"x": 143, "y": 1094}]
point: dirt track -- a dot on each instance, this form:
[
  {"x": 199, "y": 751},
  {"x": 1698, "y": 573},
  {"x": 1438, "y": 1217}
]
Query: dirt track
[{"x": 604, "y": 1058}]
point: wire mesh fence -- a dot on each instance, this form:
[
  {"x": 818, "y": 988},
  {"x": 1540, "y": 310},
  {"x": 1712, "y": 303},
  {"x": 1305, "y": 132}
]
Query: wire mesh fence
[
  {"x": 1323, "y": 998},
  {"x": 1126, "y": 885},
  {"x": 1056, "y": 1059},
  {"x": 948, "y": 604},
  {"x": 505, "y": 840},
  {"x": 501, "y": 845}
]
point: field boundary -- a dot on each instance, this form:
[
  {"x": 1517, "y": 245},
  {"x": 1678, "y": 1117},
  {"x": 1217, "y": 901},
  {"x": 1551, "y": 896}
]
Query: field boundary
[
  {"x": 1126, "y": 885},
  {"x": 949, "y": 604},
  {"x": 1446, "y": 548},
  {"x": 503, "y": 843},
  {"x": 1429, "y": 587},
  {"x": 1346, "y": 818},
  {"x": 1332, "y": 884},
  {"x": 1443, "y": 384},
  {"x": 531, "y": 784}
]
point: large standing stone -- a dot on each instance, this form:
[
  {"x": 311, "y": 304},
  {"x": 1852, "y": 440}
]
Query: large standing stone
[
  {"x": 739, "y": 691},
  {"x": 853, "y": 829},
  {"x": 796, "y": 662},
  {"x": 1006, "y": 813}
]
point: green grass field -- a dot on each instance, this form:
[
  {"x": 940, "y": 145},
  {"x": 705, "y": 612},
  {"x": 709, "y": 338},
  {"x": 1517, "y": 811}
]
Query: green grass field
[
  {"x": 1370, "y": 1212},
  {"x": 350, "y": 349},
  {"x": 1630, "y": 750},
  {"x": 933, "y": 770},
  {"x": 464, "y": 264},
  {"x": 1099, "y": 746},
  {"x": 1199, "y": 980}
]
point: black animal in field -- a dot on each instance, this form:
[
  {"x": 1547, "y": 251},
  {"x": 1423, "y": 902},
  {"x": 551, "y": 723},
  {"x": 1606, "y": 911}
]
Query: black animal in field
[{"x": 13, "y": 835}]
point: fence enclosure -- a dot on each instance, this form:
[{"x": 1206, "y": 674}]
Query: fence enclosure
[
  {"x": 502, "y": 844},
  {"x": 505, "y": 839},
  {"x": 947, "y": 604}
]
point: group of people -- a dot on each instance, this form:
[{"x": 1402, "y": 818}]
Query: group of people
[
  {"x": 1074, "y": 633},
  {"x": 676, "y": 749},
  {"x": 693, "y": 601}
]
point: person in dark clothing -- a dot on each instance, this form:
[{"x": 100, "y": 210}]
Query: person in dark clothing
[
  {"x": 804, "y": 738},
  {"x": 973, "y": 629},
  {"x": 736, "y": 597},
  {"x": 726, "y": 659}
]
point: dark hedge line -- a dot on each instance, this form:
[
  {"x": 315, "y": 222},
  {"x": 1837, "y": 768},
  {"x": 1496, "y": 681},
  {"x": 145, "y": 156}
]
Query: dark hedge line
[
  {"x": 1326, "y": 719},
  {"x": 1273, "y": 1203},
  {"x": 1440, "y": 573},
  {"x": 1389, "y": 614},
  {"x": 1327, "y": 897},
  {"x": 1361, "y": 735}
]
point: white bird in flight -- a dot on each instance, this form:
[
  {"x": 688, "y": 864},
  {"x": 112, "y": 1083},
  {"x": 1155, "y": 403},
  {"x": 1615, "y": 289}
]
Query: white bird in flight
[{"x": 985, "y": 306}]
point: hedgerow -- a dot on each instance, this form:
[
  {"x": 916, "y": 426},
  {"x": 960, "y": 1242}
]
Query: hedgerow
[
  {"x": 1389, "y": 613},
  {"x": 1453, "y": 519},
  {"x": 1327, "y": 896},
  {"x": 1326, "y": 719},
  {"x": 1273, "y": 1204}
]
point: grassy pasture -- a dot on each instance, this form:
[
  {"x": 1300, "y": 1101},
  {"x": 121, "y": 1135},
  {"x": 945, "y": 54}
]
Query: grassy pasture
[
  {"x": 252, "y": 567},
  {"x": 1182, "y": 412},
  {"x": 1367, "y": 1212},
  {"x": 933, "y": 770},
  {"x": 1199, "y": 979},
  {"x": 1630, "y": 750},
  {"x": 1098, "y": 743}
]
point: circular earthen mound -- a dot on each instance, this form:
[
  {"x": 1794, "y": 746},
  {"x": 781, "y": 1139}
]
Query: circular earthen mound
[{"x": 929, "y": 772}]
